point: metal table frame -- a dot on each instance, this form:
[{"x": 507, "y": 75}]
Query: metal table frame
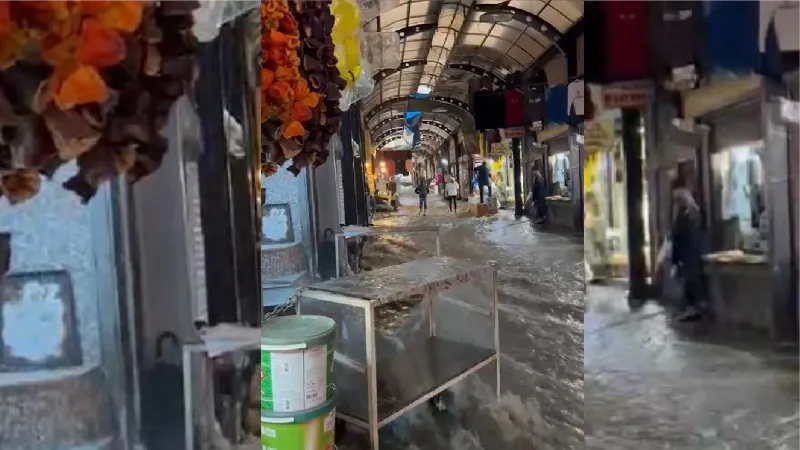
[
  {"x": 375, "y": 231},
  {"x": 373, "y": 424}
]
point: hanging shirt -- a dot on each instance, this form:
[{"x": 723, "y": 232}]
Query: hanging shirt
[
  {"x": 534, "y": 108},
  {"x": 513, "y": 105},
  {"x": 626, "y": 39},
  {"x": 673, "y": 34}
]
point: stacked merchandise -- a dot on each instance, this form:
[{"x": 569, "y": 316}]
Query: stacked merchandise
[
  {"x": 92, "y": 82},
  {"x": 298, "y": 399}
]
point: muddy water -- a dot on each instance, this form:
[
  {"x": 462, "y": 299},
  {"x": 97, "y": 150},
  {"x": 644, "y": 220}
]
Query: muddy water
[
  {"x": 541, "y": 322},
  {"x": 655, "y": 384}
]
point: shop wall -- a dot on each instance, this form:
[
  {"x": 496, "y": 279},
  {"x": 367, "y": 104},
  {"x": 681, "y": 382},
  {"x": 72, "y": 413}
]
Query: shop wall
[{"x": 55, "y": 232}]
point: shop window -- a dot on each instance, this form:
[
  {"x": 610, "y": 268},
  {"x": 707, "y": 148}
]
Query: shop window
[
  {"x": 739, "y": 198},
  {"x": 559, "y": 175}
]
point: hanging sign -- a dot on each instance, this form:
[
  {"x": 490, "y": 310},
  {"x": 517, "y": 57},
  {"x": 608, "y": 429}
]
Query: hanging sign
[{"x": 625, "y": 97}]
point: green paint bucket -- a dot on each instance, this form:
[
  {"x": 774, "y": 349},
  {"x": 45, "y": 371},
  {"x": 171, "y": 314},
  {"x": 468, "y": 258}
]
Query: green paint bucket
[
  {"x": 296, "y": 363},
  {"x": 308, "y": 430}
]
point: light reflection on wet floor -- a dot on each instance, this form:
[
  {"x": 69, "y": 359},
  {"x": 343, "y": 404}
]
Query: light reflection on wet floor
[
  {"x": 654, "y": 384},
  {"x": 541, "y": 337},
  {"x": 646, "y": 385}
]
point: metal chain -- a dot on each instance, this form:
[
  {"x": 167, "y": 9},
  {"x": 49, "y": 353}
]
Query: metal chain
[{"x": 283, "y": 307}]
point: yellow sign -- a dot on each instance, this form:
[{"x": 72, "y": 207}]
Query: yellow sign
[{"x": 598, "y": 135}]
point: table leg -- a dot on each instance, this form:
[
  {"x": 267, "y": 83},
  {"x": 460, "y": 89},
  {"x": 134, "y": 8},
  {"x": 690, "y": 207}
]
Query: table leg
[
  {"x": 372, "y": 379},
  {"x": 496, "y": 309},
  {"x": 188, "y": 404}
]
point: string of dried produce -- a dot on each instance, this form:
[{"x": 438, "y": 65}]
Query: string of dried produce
[
  {"x": 318, "y": 66},
  {"x": 92, "y": 80},
  {"x": 286, "y": 100}
]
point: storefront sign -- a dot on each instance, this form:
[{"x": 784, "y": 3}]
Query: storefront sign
[
  {"x": 511, "y": 133},
  {"x": 598, "y": 135},
  {"x": 618, "y": 98},
  {"x": 499, "y": 148}
]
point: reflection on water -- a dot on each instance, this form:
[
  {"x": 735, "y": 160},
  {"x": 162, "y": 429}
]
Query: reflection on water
[{"x": 541, "y": 339}]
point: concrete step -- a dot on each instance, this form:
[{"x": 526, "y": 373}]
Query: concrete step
[
  {"x": 279, "y": 260},
  {"x": 56, "y": 409}
]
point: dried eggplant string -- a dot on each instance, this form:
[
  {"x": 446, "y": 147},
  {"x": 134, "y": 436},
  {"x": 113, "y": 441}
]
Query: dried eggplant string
[
  {"x": 316, "y": 66},
  {"x": 97, "y": 88}
]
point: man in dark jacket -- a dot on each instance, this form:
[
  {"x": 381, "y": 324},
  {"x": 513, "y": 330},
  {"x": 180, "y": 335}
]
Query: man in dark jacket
[
  {"x": 482, "y": 174},
  {"x": 422, "y": 191},
  {"x": 687, "y": 250},
  {"x": 538, "y": 196}
]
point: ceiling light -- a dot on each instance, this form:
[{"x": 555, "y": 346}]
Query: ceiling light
[
  {"x": 439, "y": 110},
  {"x": 497, "y": 17}
]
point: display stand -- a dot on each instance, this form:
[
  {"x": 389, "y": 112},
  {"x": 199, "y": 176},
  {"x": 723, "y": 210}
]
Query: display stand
[
  {"x": 351, "y": 232},
  {"x": 380, "y": 379}
]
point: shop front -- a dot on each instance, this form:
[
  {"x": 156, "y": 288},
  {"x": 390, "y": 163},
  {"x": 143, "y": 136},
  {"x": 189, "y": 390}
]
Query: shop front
[
  {"x": 557, "y": 175},
  {"x": 748, "y": 196},
  {"x": 607, "y": 168}
]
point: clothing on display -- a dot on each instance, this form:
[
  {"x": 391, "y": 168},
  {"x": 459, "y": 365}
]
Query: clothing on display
[
  {"x": 626, "y": 45},
  {"x": 489, "y": 109},
  {"x": 674, "y": 34},
  {"x": 514, "y": 113},
  {"x": 534, "y": 108}
]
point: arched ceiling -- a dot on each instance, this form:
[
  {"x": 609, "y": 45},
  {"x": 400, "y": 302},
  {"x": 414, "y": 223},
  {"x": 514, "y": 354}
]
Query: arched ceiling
[{"x": 443, "y": 44}]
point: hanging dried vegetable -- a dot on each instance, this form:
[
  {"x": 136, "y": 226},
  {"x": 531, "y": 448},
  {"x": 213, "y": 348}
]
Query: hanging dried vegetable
[
  {"x": 318, "y": 66},
  {"x": 286, "y": 100},
  {"x": 92, "y": 80}
]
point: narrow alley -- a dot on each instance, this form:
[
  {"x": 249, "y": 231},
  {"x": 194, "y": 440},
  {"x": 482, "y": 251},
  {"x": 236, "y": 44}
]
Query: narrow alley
[
  {"x": 541, "y": 326},
  {"x": 654, "y": 384}
]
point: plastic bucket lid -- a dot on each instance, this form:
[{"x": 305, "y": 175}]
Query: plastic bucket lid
[
  {"x": 300, "y": 416},
  {"x": 294, "y": 330}
]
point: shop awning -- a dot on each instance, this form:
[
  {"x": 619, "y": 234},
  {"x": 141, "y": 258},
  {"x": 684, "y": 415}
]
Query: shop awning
[{"x": 446, "y": 43}]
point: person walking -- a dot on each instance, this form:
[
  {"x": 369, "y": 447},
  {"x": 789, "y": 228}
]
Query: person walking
[
  {"x": 422, "y": 191},
  {"x": 687, "y": 250},
  {"x": 451, "y": 193},
  {"x": 538, "y": 197}
]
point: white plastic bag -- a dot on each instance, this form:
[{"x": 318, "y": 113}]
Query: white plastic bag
[{"x": 212, "y": 14}]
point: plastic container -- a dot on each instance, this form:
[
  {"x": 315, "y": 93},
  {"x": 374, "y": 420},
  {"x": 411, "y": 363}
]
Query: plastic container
[
  {"x": 296, "y": 363},
  {"x": 308, "y": 430}
]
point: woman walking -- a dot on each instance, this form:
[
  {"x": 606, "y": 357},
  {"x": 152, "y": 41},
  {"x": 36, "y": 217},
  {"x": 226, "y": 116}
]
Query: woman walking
[{"x": 451, "y": 193}]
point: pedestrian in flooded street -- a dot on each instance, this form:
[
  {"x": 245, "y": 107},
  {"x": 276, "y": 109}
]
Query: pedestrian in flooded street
[
  {"x": 422, "y": 191},
  {"x": 687, "y": 250}
]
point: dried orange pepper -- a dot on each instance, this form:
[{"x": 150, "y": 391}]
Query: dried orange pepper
[
  {"x": 83, "y": 86},
  {"x": 99, "y": 46},
  {"x": 293, "y": 129}
]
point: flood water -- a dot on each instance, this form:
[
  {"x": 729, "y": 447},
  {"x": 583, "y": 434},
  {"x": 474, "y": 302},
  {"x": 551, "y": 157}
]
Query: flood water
[
  {"x": 652, "y": 383},
  {"x": 541, "y": 337}
]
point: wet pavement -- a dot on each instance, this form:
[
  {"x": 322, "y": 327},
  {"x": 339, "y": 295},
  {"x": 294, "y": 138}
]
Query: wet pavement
[
  {"x": 655, "y": 384},
  {"x": 541, "y": 336}
]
